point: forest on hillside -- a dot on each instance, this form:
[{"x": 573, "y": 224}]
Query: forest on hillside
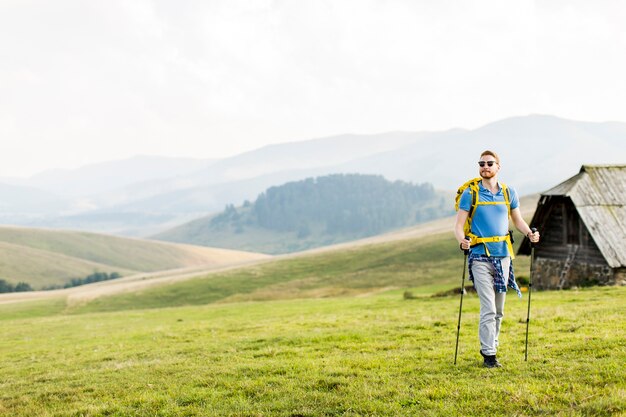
[{"x": 352, "y": 204}]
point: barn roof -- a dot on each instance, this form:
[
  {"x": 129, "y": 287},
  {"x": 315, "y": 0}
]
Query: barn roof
[{"x": 599, "y": 195}]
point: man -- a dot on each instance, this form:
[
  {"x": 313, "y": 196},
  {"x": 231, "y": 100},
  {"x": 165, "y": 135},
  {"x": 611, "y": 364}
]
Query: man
[{"x": 490, "y": 266}]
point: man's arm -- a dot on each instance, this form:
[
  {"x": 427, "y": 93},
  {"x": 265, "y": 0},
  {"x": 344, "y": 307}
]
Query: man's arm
[
  {"x": 461, "y": 217},
  {"x": 522, "y": 226}
]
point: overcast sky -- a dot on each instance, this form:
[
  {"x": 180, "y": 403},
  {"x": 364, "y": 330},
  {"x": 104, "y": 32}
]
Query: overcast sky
[{"x": 86, "y": 81}]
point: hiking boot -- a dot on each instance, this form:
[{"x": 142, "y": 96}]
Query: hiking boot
[{"x": 490, "y": 361}]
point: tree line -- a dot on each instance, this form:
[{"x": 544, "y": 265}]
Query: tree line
[
  {"x": 6, "y": 286},
  {"x": 352, "y": 204},
  {"x": 89, "y": 279}
]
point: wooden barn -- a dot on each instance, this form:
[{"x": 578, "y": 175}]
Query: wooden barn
[{"x": 582, "y": 222}]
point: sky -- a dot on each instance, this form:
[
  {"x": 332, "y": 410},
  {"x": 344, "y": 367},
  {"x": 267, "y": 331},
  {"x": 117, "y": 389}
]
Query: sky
[{"x": 89, "y": 81}]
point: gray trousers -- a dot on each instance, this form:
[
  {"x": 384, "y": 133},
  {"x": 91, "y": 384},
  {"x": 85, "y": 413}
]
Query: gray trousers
[{"x": 491, "y": 304}]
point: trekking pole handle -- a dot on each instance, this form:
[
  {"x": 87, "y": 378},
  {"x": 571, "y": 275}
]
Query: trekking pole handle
[
  {"x": 533, "y": 230},
  {"x": 465, "y": 251}
]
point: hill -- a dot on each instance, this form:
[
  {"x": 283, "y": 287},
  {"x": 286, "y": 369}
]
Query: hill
[
  {"x": 47, "y": 257},
  {"x": 314, "y": 212}
]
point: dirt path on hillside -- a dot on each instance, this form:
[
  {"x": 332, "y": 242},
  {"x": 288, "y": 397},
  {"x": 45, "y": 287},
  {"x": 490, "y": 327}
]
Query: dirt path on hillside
[{"x": 85, "y": 293}]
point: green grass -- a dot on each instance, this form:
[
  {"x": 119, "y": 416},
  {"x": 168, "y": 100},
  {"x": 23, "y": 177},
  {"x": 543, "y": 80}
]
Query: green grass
[
  {"x": 342, "y": 272},
  {"x": 31, "y": 309},
  {"x": 355, "y": 356},
  {"x": 422, "y": 265},
  {"x": 324, "y": 334}
]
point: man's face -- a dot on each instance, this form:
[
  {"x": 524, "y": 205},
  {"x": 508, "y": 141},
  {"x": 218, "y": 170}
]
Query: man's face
[{"x": 485, "y": 170}]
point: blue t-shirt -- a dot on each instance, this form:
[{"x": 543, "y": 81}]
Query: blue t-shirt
[{"x": 490, "y": 219}]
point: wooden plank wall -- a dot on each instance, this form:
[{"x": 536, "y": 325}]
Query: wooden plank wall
[{"x": 562, "y": 228}]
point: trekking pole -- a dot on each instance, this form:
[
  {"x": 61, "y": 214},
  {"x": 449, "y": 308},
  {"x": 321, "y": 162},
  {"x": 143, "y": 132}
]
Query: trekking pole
[
  {"x": 458, "y": 327},
  {"x": 530, "y": 289}
]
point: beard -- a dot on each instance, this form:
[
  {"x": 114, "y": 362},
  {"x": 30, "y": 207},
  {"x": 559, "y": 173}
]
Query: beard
[{"x": 487, "y": 174}]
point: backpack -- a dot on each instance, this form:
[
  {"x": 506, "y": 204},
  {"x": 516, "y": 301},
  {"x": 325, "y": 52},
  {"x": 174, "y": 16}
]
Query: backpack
[{"x": 467, "y": 227}]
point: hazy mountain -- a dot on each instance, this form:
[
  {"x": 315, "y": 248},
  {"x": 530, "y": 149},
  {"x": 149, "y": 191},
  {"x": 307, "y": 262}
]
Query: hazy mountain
[
  {"x": 178, "y": 174},
  {"x": 104, "y": 177},
  {"x": 161, "y": 211},
  {"x": 122, "y": 223},
  {"x": 146, "y": 206},
  {"x": 537, "y": 152},
  {"x": 26, "y": 202},
  {"x": 306, "y": 156},
  {"x": 303, "y": 155}
]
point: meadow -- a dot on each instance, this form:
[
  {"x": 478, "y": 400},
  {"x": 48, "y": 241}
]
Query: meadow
[
  {"x": 319, "y": 334},
  {"x": 421, "y": 266},
  {"x": 378, "y": 355}
]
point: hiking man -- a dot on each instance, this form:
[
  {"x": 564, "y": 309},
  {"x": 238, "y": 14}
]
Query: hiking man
[{"x": 483, "y": 216}]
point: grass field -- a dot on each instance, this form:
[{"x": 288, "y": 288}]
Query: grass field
[
  {"x": 379, "y": 355},
  {"x": 420, "y": 265},
  {"x": 319, "y": 334}
]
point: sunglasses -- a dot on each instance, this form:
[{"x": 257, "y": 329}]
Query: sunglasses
[{"x": 489, "y": 163}]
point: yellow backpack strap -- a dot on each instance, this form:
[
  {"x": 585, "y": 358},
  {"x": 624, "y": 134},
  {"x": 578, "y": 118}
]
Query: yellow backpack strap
[
  {"x": 474, "y": 193},
  {"x": 507, "y": 199},
  {"x": 473, "y": 187},
  {"x": 507, "y": 196},
  {"x": 462, "y": 188}
]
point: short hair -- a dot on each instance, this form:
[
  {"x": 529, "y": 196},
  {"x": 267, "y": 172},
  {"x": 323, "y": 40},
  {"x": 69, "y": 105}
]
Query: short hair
[{"x": 492, "y": 153}]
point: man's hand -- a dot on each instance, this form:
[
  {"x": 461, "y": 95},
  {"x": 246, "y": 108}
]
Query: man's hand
[
  {"x": 533, "y": 236},
  {"x": 464, "y": 244}
]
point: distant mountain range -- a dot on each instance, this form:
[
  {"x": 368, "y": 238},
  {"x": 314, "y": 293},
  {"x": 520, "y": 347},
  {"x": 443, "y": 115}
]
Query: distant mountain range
[
  {"x": 142, "y": 196},
  {"x": 315, "y": 212}
]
